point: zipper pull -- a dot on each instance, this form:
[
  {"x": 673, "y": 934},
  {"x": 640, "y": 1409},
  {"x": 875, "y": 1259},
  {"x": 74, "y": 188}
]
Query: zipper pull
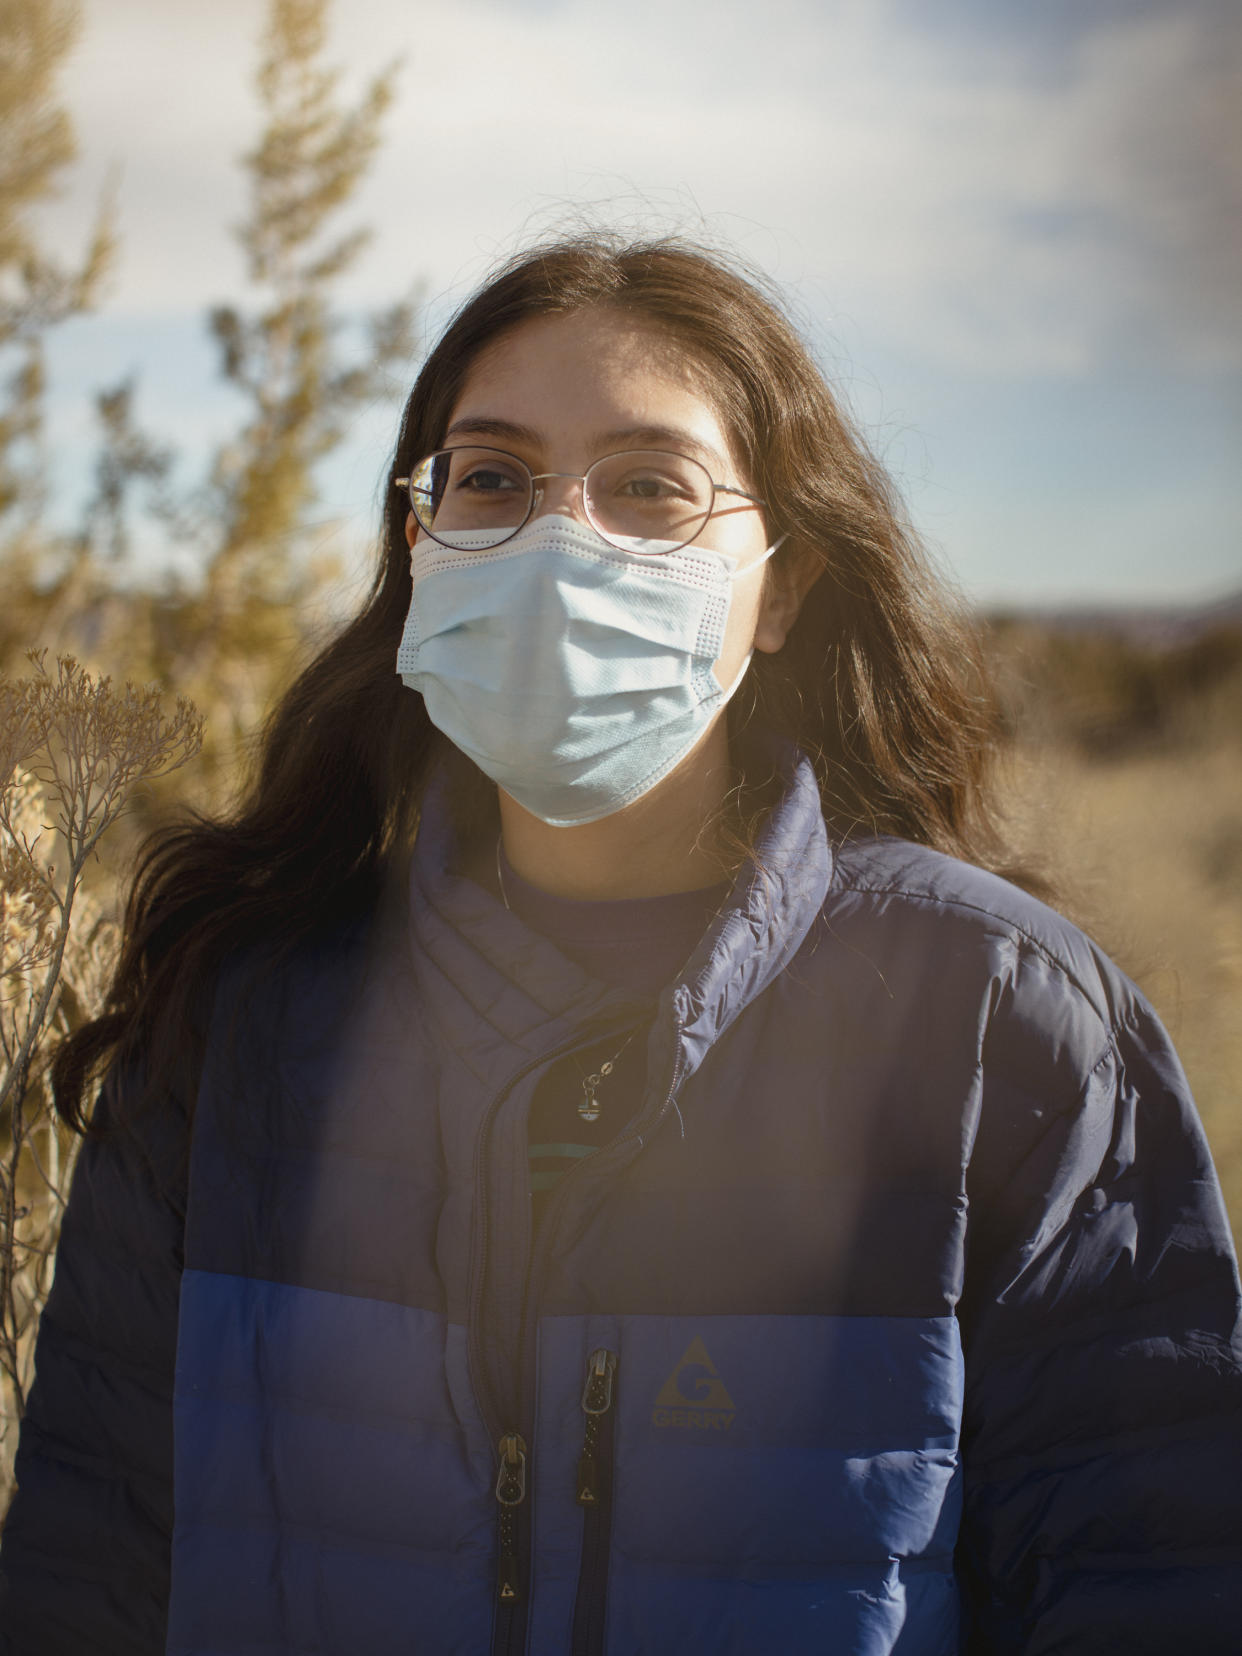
[
  {"x": 597, "y": 1393},
  {"x": 510, "y": 1492},
  {"x": 511, "y": 1479},
  {"x": 596, "y": 1401}
]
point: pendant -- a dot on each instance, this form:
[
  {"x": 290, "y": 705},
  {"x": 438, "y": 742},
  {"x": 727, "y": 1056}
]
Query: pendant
[{"x": 588, "y": 1109}]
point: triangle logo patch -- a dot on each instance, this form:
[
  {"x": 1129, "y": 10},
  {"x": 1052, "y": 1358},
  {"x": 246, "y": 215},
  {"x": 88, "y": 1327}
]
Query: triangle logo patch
[{"x": 694, "y": 1395}]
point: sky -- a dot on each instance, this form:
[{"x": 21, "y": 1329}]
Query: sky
[{"x": 1011, "y": 232}]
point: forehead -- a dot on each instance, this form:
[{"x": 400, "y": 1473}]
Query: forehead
[{"x": 573, "y": 378}]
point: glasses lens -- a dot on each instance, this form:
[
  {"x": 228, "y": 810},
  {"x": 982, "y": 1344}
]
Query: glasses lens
[
  {"x": 476, "y": 491},
  {"x": 648, "y": 495}
]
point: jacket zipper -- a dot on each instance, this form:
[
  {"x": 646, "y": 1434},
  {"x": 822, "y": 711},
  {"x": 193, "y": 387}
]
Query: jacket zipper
[
  {"x": 515, "y": 1520},
  {"x": 595, "y": 1464},
  {"x": 595, "y": 1496},
  {"x": 514, "y": 1514},
  {"x": 509, "y": 1637}
]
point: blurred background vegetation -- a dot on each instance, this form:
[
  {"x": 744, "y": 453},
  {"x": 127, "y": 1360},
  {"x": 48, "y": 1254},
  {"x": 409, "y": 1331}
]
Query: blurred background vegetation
[
  {"x": 202, "y": 653},
  {"x": 1123, "y": 776},
  {"x": 1123, "y": 733}
]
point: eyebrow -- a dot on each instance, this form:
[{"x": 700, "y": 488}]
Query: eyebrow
[
  {"x": 637, "y": 436},
  {"x": 664, "y": 437},
  {"x": 483, "y": 425}
]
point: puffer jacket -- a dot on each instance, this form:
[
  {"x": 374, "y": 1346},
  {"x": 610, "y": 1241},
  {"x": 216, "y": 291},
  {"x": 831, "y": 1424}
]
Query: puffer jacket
[{"x": 902, "y": 1318}]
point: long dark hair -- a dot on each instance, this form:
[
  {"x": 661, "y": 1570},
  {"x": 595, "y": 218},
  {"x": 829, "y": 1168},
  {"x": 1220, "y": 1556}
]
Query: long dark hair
[{"x": 880, "y": 680}]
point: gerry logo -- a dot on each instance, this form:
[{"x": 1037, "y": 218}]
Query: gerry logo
[{"x": 694, "y": 1396}]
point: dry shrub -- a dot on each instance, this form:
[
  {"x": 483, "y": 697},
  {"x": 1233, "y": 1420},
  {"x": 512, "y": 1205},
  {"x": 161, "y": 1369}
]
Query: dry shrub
[{"x": 72, "y": 750}]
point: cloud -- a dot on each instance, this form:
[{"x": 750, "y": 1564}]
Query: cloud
[
  {"x": 1006, "y": 196},
  {"x": 1166, "y": 120}
]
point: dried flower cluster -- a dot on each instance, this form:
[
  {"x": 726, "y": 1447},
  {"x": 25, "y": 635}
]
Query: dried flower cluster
[{"x": 72, "y": 750}]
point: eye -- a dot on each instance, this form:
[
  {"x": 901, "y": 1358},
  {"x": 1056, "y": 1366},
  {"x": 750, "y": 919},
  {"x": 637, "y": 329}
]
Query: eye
[
  {"x": 645, "y": 488},
  {"x": 650, "y": 483},
  {"x": 487, "y": 479}
]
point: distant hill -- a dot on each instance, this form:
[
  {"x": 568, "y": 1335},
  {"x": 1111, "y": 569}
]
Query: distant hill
[
  {"x": 1143, "y": 624},
  {"x": 1110, "y": 681}
]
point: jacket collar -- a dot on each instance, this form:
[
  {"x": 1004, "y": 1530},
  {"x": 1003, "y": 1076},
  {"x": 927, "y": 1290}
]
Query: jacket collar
[
  {"x": 491, "y": 983},
  {"x": 774, "y": 903}
]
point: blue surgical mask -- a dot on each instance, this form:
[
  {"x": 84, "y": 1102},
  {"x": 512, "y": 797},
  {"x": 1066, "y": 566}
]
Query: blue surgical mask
[{"x": 574, "y": 674}]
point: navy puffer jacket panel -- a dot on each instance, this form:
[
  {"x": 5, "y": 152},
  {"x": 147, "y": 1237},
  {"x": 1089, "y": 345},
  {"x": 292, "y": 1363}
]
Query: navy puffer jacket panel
[{"x": 901, "y": 1318}]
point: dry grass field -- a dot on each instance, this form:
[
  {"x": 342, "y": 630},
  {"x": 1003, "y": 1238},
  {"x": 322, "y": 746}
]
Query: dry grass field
[
  {"x": 1149, "y": 849},
  {"x": 1140, "y": 826}
]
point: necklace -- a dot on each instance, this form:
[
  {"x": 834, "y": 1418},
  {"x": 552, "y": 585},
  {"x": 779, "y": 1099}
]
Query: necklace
[{"x": 588, "y": 1105}]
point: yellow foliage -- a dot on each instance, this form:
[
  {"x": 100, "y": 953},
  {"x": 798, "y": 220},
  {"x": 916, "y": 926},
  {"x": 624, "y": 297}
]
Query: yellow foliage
[{"x": 36, "y": 144}]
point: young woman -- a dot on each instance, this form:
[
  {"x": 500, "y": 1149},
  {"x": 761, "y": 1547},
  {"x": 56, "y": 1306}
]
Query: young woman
[{"x": 592, "y": 1160}]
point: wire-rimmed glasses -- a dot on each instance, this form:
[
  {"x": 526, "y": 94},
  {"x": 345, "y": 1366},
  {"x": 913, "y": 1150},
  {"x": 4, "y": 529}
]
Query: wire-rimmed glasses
[{"x": 483, "y": 496}]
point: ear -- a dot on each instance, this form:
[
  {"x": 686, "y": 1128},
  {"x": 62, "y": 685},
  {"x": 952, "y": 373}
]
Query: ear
[
  {"x": 411, "y": 529},
  {"x": 787, "y": 584}
]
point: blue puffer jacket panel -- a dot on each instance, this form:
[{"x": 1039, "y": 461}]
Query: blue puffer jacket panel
[{"x": 902, "y": 1318}]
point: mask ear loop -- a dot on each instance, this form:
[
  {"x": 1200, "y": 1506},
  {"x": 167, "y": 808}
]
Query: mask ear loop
[{"x": 739, "y": 574}]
